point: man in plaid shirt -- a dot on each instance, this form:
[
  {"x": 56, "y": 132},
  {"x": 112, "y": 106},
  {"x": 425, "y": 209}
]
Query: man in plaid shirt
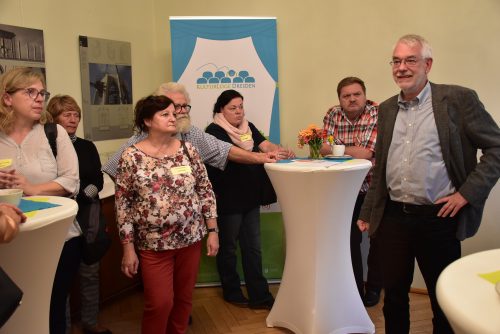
[{"x": 353, "y": 123}]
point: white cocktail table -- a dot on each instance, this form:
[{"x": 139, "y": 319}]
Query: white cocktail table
[
  {"x": 31, "y": 261},
  {"x": 318, "y": 293},
  {"x": 471, "y": 303}
]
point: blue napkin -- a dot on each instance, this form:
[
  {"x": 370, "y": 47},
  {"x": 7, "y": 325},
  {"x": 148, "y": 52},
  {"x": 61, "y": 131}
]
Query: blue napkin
[{"x": 27, "y": 206}]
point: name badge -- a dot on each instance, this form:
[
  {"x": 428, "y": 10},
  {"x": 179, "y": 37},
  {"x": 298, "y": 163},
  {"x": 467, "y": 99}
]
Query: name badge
[
  {"x": 5, "y": 163},
  {"x": 245, "y": 137},
  {"x": 181, "y": 170}
]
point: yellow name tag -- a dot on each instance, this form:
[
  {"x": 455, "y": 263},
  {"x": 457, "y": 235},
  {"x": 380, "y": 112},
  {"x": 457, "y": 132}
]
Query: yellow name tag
[
  {"x": 5, "y": 163},
  {"x": 181, "y": 170},
  {"x": 245, "y": 137}
]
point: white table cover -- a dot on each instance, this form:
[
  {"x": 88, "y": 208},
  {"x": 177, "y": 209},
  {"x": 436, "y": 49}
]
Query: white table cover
[
  {"x": 471, "y": 303},
  {"x": 31, "y": 261},
  {"x": 318, "y": 293}
]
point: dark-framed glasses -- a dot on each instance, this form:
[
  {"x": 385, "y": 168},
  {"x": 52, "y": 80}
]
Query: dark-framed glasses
[
  {"x": 411, "y": 61},
  {"x": 186, "y": 107},
  {"x": 33, "y": 93}
]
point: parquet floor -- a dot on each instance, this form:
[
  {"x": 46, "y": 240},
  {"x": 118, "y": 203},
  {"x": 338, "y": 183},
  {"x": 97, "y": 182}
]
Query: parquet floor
[{"x": 211, "y": 315}]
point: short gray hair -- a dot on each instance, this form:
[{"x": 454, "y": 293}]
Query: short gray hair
[
  {"x": 412, "y": 39},
  {"x": 173, "y": 87}
]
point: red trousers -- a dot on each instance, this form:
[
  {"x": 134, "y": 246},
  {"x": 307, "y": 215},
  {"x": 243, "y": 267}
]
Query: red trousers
[{"x": 169, "y": 278}]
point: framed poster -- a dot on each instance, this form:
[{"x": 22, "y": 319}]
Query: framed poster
[
  {"x": 21, "y": 47},
  {"x": 106, "y": 74}
]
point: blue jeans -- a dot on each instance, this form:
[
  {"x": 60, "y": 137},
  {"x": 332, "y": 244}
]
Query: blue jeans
[{"x": 245, "y": 228}]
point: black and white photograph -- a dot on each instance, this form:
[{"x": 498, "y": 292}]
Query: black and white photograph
[{"x": 21, "y": 46}]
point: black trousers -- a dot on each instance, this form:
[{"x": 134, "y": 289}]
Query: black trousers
[
  {"x": 374, "y": 275},
  {"x": 69, "y": 261},
  {"x": 403, "y": 238},
  {"x": 242, "y": 228}
]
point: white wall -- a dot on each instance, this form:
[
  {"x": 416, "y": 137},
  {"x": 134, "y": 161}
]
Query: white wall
[
  {"x": 63, "y": 21},
  {"x": 320, "y": 42}
]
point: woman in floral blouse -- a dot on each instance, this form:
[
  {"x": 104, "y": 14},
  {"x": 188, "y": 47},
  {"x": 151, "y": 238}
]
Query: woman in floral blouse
[{"x": 165, "y": 206}]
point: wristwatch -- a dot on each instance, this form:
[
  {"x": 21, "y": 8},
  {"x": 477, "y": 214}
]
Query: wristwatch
[{"x": 213, "y": 229}]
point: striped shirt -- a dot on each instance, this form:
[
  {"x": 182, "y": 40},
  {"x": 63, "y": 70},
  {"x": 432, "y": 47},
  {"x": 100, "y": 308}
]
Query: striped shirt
[
  {"x": 362, "y": 132},
  {"x": 213, "y": 152}
]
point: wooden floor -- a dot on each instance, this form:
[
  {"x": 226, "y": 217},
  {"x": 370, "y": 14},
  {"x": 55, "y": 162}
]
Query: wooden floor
[{"x": 211, "y": 315}]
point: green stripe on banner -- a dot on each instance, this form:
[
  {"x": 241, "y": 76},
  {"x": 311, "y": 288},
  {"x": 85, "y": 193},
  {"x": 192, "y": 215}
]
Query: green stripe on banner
[{"x": 273, "y": 251}]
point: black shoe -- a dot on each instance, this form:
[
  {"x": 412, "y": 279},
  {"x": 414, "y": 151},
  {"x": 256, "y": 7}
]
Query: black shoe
[
  {"x": 371, "y": 298},
  {"x": 239, "y": 302},
  {"x": 267, "y": 305}
]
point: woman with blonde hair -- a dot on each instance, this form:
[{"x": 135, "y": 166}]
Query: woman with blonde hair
[{"x": 35, "y": 168}]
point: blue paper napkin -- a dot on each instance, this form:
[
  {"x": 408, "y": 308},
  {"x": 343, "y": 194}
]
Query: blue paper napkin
[{"x": 27, "y": 206}]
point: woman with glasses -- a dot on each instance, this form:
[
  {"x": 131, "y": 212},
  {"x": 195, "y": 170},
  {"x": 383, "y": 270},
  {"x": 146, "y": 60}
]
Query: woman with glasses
[
  {"x": 31, "y": 165},
  {"x": 240, "y": 191}
]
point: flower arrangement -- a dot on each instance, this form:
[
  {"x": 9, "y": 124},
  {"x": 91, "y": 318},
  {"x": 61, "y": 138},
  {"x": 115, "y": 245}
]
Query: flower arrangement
[
  {"x": 314, "y": 137},
  {"x": 311, "y": 135}
]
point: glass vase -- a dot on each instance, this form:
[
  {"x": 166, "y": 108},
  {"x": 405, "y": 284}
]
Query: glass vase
[{"x": 314, "y": 151}]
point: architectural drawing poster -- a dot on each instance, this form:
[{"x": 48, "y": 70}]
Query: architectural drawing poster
[{"x": 106, "y": 75}]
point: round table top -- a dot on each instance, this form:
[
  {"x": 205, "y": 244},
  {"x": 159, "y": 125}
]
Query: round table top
[
  {"x": 469, "y": 300},
  {"x": 40, "y": 218},
  {"x": 308, "y": 165}
]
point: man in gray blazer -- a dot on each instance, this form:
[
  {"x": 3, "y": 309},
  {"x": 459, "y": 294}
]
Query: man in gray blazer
[{"x": 428, "y": 190}]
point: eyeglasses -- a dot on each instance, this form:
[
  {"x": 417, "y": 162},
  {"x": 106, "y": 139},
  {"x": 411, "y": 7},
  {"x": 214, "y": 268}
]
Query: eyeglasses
[
  {"x": 186, "y": 107},
  {"x": 410, "y": 62},
  {"x": 33, "y": 93}
]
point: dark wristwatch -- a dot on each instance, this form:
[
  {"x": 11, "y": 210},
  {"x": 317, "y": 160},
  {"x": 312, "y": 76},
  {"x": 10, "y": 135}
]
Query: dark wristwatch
[{"x": 213, "y": 229}]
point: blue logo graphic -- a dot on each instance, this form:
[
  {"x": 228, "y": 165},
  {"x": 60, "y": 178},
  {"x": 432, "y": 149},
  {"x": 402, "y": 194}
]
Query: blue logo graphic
[{"x": 223, "y": 77}]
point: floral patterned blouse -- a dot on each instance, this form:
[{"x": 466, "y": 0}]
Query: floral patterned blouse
[{"x": 160, "y": 204}]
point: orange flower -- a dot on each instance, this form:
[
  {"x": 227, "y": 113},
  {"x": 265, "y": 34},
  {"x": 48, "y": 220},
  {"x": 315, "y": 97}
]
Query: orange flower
[{"x": 311, "y": 135}]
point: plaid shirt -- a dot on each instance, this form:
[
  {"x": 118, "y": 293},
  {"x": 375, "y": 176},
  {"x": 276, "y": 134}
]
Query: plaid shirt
[{"x": 362, "y": 133}]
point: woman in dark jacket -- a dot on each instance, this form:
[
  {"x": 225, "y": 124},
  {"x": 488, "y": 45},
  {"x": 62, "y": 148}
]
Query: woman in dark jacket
[
  {"x": 240, "y": 191},
  {"x": 67, "y": 113}
]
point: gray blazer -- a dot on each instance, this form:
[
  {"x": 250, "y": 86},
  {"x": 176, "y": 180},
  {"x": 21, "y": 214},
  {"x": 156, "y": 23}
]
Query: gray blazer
[{"x": 463, "y": 126}]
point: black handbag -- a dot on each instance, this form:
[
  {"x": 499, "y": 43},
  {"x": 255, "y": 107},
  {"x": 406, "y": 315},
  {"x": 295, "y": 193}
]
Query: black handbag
[
  {"x": 96, "y": 240},
  {"x": 10, "y": 297},
  {"x": 268, "y": 195}
]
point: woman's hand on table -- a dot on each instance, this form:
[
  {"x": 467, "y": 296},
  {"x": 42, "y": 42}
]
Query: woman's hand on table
[
  {"x": 14, "y": 212},
  {"x": 267, "y": 157},
  {"x": 285, "y": 153},
  {"x": 10, "y": 218},
  {"x": 130, "y": 261}
]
